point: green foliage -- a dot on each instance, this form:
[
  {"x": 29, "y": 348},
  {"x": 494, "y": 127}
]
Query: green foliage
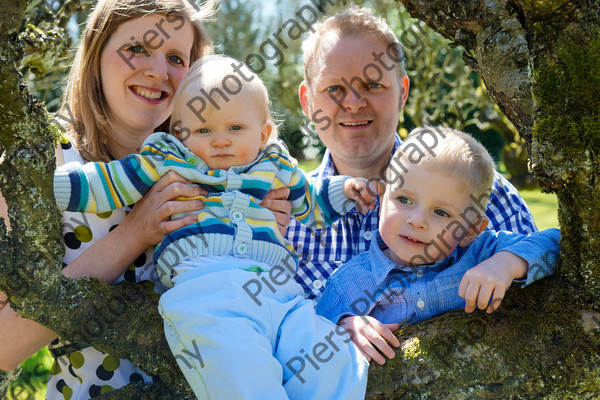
[{"x": 31, "y": 384}]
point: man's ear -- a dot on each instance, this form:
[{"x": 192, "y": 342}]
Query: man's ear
[
  {"x": 265, "y": 134},
  {"x": 404, "y": 86},
  {"x": 474, "y": 230},
  {"x": 303, "y": 95}
]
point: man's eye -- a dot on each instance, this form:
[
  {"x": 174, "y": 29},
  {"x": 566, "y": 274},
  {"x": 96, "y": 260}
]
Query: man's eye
[
  {"x": 374, "y": 85},
  {"x": 442, "y": 213}
]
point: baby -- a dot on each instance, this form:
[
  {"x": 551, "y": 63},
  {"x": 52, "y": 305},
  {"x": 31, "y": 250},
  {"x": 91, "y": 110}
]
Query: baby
[
  {"x": 231, "y": 338},
  {"x": 432, "y": 254}
]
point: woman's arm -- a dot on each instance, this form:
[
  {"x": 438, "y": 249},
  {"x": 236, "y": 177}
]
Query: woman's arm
[{"x": 145, "y": 226}]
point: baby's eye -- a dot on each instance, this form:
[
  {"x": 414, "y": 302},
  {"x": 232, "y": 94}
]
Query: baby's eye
[
  {"x": 203, "y": 130},
  {"x": 137, "y": 49},
  {"x": 176, "y": 60},
  {"x": 441, "y": 213},
  {"x": 404, "y": 200},
  {"x": 236, "y": 127}
]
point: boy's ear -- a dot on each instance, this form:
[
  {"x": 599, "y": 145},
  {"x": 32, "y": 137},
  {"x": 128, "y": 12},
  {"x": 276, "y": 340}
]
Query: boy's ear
[
  {"x": 474, "y": 230},
  {"x": 265, "y": 134}
]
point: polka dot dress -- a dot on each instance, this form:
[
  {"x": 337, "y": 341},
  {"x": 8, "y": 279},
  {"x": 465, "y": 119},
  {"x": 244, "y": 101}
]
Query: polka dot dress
[{"x": 83, "y": 373}]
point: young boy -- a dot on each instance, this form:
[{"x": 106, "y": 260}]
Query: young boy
[
  {"x": 432, "y": 251},
  {"x": 235, "y": 319}
]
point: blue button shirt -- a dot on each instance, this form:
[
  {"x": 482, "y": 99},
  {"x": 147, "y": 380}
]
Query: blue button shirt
[
  {"x": 372, "y": 284},
  {"x": 321, "y": 250}
]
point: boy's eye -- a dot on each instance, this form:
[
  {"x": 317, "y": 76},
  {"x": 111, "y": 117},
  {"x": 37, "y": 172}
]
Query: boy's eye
[
  {"x": 334, "y": 88},
  {"x": 404, "y": 200},
  {"x": 176, "y": 60},
  {"x": 441, "y": 213}
]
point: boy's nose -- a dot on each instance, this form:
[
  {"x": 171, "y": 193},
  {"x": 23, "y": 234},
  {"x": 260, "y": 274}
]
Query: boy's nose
[{"x": 417, "y": 221}]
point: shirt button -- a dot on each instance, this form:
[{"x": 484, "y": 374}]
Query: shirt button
[
  {"x": 242, "y": 248},
  {"x": 420, "y": 304},
  {"x": 237, "y": 216},
  {"x": 317, "y": 284},
  {"x": 419, "y": 273},
  {"x": 368, "y": 235}
]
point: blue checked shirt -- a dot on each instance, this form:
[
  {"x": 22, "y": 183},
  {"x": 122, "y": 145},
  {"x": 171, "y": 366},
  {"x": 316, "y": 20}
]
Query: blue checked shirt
[
  {"x": 372, "y": 284},
  {"x": 321, "y": 250}
]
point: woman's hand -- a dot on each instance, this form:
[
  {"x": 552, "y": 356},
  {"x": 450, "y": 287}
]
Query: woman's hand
[
  {"x": 276, "y": 201},
  {"x": 150, "y": 219}
]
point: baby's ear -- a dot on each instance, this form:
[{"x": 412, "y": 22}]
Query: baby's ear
[
  {"x": 474, "y": 230},
  {"x": 265, "y": 134}
]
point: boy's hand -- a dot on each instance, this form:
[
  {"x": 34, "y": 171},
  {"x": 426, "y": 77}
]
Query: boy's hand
[
  {"x": 359, "y": 190},
  {"x": 490, "y": 280},
  {"x": 369, "y": 335}
]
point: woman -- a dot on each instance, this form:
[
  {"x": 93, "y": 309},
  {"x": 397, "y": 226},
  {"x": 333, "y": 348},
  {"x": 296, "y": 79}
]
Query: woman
[{"x": 130, "y": 61}]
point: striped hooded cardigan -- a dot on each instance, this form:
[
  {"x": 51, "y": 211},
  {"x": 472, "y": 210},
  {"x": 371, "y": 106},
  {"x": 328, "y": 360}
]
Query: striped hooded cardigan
[{"x": 232, "y": 221}]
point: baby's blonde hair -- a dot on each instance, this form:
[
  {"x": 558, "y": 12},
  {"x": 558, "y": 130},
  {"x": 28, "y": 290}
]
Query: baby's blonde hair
[
  {"x": 450, "y": 152},
  {"x": 219, "y": 74}
]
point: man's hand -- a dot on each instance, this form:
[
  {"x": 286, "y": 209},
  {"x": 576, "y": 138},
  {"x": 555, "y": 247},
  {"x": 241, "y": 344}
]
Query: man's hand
[
  {"x": 369, "y": 335},
  {"x": 358, "y": 189},
  {"x": 276, "y": 201},
  {"x": 490, "y": 280}
]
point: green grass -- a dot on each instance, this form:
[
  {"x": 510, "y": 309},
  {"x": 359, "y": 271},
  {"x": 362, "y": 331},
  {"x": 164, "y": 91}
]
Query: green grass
[{"x": 31, "y": 384}]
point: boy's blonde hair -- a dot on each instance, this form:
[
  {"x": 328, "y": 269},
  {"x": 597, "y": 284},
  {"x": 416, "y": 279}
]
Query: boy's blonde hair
[
  {"x": 84, "y": 100},
  {"x": 225, "y": 77},
  {"x": 353, "y": 21},
  {"x": 450, "y": 152}
]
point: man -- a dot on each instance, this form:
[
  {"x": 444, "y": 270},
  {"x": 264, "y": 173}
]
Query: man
[{"x": 354, "y": 88}]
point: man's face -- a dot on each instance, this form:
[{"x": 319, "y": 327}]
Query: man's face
[{"x": 354, "y": 100}]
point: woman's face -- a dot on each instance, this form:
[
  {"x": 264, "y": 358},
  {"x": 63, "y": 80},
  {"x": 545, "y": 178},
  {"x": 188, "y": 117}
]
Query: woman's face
[{"x": 141, "y": 66}]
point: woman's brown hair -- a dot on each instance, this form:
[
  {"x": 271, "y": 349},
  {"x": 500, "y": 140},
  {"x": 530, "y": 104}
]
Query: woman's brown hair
[{"x": 84, "y": 100}]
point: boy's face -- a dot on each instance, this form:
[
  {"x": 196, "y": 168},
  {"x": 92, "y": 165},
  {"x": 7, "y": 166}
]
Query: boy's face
[
  {"x": 231, "y": 136},
  {"x": 427, "y": 217}
]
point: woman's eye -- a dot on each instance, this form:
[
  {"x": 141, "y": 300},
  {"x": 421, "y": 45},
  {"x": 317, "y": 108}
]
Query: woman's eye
[
  {"x": 176, "y": 60},
  {"x": 442, "y": 213},
  {"x": 137, "y": 49}
]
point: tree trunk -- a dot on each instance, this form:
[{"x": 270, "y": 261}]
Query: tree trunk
[
  {"x": 544, "y": 341},
  {"x": 82, "y": 310}
]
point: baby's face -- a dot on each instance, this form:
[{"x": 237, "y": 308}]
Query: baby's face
[
  {"x": 426, "y": 218},
  {"x": 230, "y": 136}
]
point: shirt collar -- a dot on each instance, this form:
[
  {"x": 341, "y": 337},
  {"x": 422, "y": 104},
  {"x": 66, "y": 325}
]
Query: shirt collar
[
  {"x": 327, "y": 167},
  {"x": 381, "y": 265}
]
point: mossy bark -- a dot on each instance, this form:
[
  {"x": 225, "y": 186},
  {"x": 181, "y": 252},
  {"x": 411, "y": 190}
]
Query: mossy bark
[
  {"x": 540, "y": 61},
  {"x": 83, "y": 310},
  {"x": 544, "y": 341}
]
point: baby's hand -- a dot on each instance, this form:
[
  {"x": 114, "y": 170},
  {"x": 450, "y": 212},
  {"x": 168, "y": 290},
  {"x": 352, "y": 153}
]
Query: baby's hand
[
  {"x": 369, "y": 335},
  {"x": 358, "y": 189},
  {"x": 490, "y": 280}
]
